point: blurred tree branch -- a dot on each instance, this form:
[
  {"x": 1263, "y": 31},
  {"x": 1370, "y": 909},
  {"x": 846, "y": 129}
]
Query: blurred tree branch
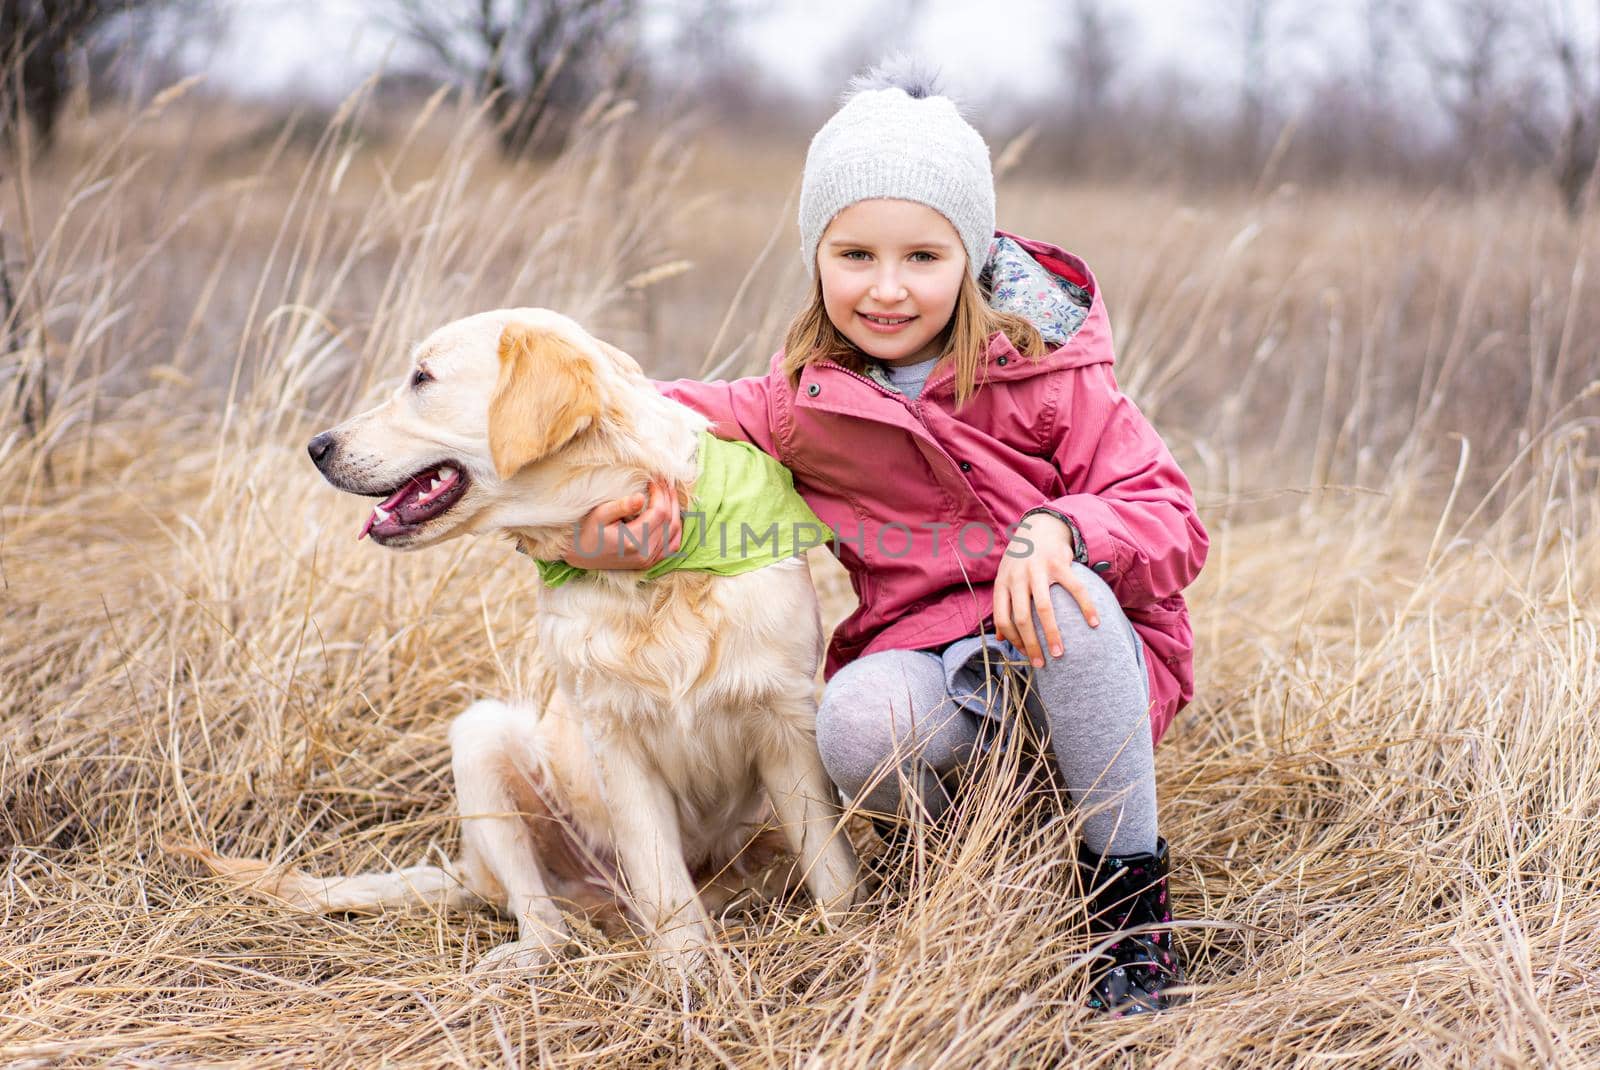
[
  {"x": 1575, "y": 151},
  {"x": 536, "y": 62},
  {"x": 1262, "y": 33},
  {"x": 1094, "y": 53},
  {"x": 1468, "y": 67},
  {"x": 1531, "y": 77},
  {"x": 38, "y": 39}
]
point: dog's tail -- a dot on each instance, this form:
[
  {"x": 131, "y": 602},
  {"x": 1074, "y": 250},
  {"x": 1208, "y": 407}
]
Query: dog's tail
[{"x": 365, "y": 893}]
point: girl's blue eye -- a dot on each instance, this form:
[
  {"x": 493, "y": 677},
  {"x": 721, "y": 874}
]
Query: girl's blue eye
[
  {"x": 852, "y": 254},
  {"x": 927, "y": 257}
]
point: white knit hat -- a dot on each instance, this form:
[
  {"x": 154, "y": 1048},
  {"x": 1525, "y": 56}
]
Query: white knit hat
[{"x": 898, "y": 136}]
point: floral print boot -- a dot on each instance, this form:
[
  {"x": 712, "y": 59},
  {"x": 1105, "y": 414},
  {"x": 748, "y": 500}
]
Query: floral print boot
[{"x": 1130, "y": 892}]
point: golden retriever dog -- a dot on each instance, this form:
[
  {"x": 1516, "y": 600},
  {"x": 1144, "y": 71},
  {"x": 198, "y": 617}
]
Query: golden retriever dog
[{"x": 676, "y": 708}]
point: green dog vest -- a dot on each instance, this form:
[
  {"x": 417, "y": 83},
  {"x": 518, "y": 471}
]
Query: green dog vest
[{"x": 745, "y": 514}]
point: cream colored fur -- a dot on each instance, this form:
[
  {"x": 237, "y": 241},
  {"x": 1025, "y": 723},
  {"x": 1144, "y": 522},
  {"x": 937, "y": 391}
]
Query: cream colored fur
[{"x": 675, "y": 709}]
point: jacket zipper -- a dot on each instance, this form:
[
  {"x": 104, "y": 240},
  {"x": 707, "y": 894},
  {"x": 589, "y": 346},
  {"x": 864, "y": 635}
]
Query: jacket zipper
[
  {"x": 913, "y": 407},
  {"x": 864, "y": 378}
]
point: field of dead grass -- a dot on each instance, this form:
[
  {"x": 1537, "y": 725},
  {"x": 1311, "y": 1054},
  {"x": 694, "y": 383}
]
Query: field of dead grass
[{"x": 1384, "y": 805}]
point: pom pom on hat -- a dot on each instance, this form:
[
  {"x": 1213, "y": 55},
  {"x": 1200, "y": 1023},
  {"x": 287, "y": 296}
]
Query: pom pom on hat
[{"x": 897, "y": 71}]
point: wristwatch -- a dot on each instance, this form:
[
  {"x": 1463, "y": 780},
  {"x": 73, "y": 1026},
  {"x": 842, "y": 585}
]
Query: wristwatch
[{"x": 1080, "y": 552}]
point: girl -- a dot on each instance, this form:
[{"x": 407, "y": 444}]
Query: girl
[{"x": 946, "y": 404}]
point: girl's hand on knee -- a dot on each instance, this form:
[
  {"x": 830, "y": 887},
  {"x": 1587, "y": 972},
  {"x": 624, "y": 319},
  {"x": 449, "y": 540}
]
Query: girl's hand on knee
[
  {"x": 1040, "y": 554},
  {"x": 631, "y": 533}
]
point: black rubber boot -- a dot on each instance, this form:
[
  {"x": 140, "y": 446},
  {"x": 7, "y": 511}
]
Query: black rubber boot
[{"x": 1130, "y": 892}]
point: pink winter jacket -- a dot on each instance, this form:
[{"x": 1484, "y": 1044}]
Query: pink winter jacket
[{"x": 899, "y": 480}]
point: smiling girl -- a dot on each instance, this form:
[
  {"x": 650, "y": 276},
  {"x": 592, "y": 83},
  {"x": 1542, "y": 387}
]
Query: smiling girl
[{"x": 1014, "y": 528}]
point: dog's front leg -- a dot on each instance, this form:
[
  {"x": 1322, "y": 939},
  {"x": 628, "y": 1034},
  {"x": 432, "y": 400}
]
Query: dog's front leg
[
  {"x": 490, "y": 742},
  {"x": 649, "y": 844},
  {"x": 803, "y": 798}
]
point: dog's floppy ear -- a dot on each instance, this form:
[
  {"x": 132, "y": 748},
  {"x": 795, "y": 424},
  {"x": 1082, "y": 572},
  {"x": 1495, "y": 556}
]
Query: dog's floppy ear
[
  {"x": 543, "y": 398},
  {"x": 626, "y": 364}
]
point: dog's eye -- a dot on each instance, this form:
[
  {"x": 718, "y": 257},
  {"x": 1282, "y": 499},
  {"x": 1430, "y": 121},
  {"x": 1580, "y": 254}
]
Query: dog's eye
[{"x": 420, "y": 376}]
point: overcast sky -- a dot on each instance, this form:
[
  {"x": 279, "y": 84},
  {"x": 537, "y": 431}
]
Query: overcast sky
[
  {"x": 278, "y": 45},
  {"x": 984, "y": 48}
]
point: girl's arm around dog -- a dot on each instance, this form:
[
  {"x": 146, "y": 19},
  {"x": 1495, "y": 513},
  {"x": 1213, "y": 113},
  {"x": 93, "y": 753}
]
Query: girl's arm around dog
[{"x": 739, "y": 411}]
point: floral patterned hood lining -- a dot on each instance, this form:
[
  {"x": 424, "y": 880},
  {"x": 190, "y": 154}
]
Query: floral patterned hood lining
[{"x": 1015, "y": 282}]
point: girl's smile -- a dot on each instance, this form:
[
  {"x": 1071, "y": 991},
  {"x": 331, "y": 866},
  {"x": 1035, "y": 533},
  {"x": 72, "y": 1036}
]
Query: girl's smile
[
  {"x": 891, "y": 271},
  {"x": 885, "y": 324}
]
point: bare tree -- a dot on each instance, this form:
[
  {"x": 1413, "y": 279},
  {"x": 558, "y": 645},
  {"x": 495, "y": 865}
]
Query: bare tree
[
  {"x": 1521, "y": 89},
  {"x": 1380, "y": 52},
  {"x": 1570, "y": 138},
  {"x": 38, "y": 39},
  {"x": 1256, "y": 31},
  {"x": 536, "y": 62},
  {"x": 1254, "y": 52},
  {"x": 142, "y": 51},
  {"x": 1470, "y": 62},
  {"x": 703, "y": 62},
  {"x": 1367, "y": 98},
  {"x": 1093, "y": 50}
]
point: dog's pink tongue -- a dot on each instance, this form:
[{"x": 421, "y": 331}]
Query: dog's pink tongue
[
  {"x": 388, "y": 505},
  {"x": 392, "y": 502}
]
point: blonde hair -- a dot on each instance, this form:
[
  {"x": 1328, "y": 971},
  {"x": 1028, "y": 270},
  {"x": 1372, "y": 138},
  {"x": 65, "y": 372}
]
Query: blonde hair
[{"x": 812, "y": 337}]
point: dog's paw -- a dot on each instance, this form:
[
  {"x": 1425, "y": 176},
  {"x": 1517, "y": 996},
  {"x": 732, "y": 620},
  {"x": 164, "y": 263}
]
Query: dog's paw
[
  {"x": 518, "y": 956},
  {"x": 684, "y": 978},
  {"x": 690, "y": 962}
]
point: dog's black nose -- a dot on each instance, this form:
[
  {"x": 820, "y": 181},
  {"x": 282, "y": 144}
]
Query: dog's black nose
[{"x": 320, "y": 447}]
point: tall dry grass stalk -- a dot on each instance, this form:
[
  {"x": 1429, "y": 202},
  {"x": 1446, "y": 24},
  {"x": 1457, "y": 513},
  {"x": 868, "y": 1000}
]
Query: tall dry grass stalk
[{"x": 1383, "y": 805}]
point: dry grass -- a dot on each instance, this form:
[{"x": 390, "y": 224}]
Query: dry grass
[{"x": 1383, "y": 806}]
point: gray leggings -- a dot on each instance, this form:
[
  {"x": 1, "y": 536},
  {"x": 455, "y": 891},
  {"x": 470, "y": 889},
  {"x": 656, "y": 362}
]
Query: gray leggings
[{"x": 886, "y": 720}]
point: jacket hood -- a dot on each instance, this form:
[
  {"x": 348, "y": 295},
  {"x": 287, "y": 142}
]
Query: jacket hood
[{"x": 1058, "y": 294}]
